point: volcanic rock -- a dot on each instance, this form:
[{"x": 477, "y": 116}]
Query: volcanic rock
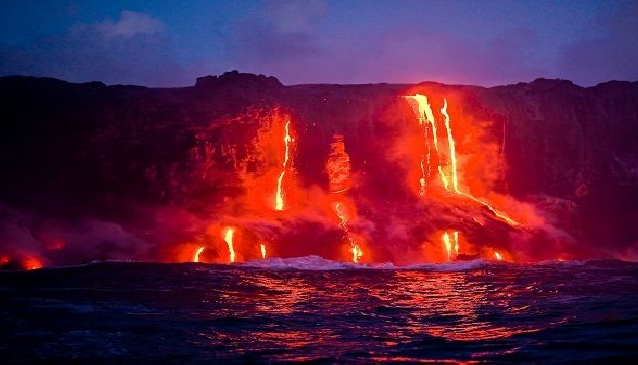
[{"x": 90, "y": 150}]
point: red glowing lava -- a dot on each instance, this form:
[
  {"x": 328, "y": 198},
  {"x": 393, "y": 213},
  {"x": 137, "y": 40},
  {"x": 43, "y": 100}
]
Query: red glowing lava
[{"x": 418, "y": 194}]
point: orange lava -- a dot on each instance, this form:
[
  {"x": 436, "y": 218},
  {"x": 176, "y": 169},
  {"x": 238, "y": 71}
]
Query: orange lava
[
  {"x": 447, "y": 245},
  {"x": 452, "y": 147},
  {"x": 355, "y": 248},
  {"x": 425, "y": 109},
  {"x": 32, "y": 263},
  {"x": 197, "y": 253},
  {"x": 279, "y": 198},
  {"x": 228, "y": 238},
  {"x": 262, "y": 247},
  {"x": 424, "y": 113}
]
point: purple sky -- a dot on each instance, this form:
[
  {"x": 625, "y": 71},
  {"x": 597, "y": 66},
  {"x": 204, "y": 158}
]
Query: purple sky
[{"x": 170, "y": 43}]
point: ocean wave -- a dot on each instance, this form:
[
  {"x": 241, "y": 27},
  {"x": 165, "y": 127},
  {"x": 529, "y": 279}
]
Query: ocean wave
[{"x": 314, "y": 262}]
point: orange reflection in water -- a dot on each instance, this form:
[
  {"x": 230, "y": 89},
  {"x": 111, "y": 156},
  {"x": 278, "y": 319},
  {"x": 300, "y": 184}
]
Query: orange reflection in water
[
  {"x": 290, "y": 294},
  {"x": 275, "y": 296},
  {"x": 451, "y": 305}
]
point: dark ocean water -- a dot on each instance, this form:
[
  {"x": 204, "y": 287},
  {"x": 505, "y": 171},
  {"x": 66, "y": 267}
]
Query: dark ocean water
[{"x": 310, "y": 309}]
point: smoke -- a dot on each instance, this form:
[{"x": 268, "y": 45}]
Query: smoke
[{"x": 56, "y": 241}]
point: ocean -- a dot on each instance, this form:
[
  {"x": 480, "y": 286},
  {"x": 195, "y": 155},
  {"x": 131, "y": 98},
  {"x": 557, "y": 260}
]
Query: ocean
[{"x": 310, "y": 309}]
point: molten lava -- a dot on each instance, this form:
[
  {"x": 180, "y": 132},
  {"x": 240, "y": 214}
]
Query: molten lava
[
  {"x": 32, "y": 263},
  {"x": 197, "y": 253},
  {"x": 228, "y": 238},
  {"x": 279, "y": 198},
  {"x": 262, "y": 247},
  {"x": 425, "y": 111},
  {"x": 456, "y": 243},
  {"x": 452, "y": 147},
  {"x": 356, "y": 252},
  {"x": 498, "y": 256},
  {"x": 447, "y": 245},
  {"x": 355, "y": 249}
]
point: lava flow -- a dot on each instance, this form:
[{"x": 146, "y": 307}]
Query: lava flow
[
  {"x": 197, "y": 254},
  {"x": 32, "y": 263},
  {"x": 262, "y": 247},
  {"x": 279, "y": 198},
  {"x": 424, "y": 110},
  {"x": 355, "y": 249},
  {"x": 228, "y": 238},
  {"x": 455, "y": 181},
  {"x": 452, "y": 146},
  {"x": 447, "y": 245}
]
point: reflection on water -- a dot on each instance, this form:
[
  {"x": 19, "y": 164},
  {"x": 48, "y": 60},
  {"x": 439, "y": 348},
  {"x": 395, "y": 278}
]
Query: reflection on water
[
  {"x": 386, "y": 308},
  {"x": 207, "y": 313}
]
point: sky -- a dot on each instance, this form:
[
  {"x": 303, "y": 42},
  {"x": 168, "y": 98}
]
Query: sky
[{"x": 171, "y": 43}]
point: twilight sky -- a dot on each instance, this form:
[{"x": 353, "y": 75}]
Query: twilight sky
[{"x": 170, "y": 43}]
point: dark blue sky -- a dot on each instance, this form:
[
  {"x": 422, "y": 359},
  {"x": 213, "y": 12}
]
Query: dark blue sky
[{"x": 170, "y": 43}]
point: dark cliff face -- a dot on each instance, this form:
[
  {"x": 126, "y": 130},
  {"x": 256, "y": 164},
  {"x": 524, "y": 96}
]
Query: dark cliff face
[{"x": 73, "y": 151}]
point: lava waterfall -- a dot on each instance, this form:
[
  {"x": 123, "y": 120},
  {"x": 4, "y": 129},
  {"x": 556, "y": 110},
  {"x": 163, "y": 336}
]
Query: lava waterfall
[{"x": 240, "y": 167}]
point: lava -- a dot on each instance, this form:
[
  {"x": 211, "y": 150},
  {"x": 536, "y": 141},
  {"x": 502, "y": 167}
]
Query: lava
[
  {"x": 197, "y": 253},
  {"x": 32, "y": 263},
  {"x": 443, "y": 178},
  {"x": 452, "y": 147},
  {"x": 455, "y": 181},
  {"x": 498, "y": 256},
  {"x": 355, "y": 249},
  {"x": 356, "y": 252},
  {"x": 228, "y": 238},
  {"x": 447, "y": 244},
  {"x": 425, "y": 112},
  {"x": 279, "y": 198},
  {"x": 262, "y": 247},
  {"x": 456, "y": 243}
]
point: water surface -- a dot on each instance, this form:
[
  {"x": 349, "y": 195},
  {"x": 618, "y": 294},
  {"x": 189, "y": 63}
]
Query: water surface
[{"x": 313, "y": 309}]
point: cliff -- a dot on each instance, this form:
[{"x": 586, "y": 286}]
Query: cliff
[{"x": 560, "y": 158}]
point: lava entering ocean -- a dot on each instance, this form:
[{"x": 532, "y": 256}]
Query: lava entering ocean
[{"x": 378, "y": 192}]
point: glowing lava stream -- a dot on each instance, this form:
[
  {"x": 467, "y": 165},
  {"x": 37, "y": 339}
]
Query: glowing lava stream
[
  {"x": 455, "y": 181},
  {"x": 425, "y": 112},
  {"x": 354, "y": 248},
  {"x": 456, "y": 243},
  {"x": 452, "y": 145},
  {"x": 228, "y": 238},
  {"x": 279, "y": 198},
  {"x": 448, "y": 246},
  {"x": 497, "y": 255},
  {"x": 197, "y": 253},
  {"x": 262, "y": 247}
]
